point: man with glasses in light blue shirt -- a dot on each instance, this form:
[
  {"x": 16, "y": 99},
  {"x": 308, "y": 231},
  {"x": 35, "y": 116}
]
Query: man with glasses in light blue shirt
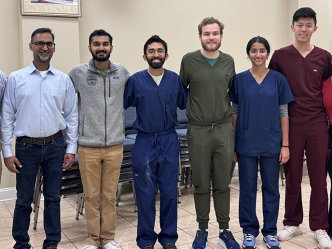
[{"x": 35, "y": 98}]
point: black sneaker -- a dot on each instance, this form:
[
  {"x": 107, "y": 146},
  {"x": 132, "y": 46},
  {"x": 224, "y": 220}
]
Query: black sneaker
[
  {"x": 169, "y": 246},
  {"x": 148, "y": 247}
]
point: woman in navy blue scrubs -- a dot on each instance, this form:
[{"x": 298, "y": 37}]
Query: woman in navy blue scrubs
[{"x": 260, "y": 119}]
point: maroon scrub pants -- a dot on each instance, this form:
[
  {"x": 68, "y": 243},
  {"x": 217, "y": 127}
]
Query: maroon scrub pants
[{"x": 314, "y": 140}]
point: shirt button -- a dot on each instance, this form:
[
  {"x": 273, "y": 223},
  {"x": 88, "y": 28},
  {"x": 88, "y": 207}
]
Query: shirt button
[
  {"x": 42, "y": 131},
  {"x": 42, "y": 92}
]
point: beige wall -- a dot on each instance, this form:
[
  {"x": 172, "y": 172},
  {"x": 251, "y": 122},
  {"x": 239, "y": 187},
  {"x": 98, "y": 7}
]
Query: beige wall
[
  {"x": 322, "y": 8},
  {"x": 132, "y": 22},
  {"x": 10, "y": 39}
]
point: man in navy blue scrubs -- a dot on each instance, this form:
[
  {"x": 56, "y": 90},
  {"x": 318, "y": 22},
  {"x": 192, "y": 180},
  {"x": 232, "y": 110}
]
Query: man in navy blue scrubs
[{"x": 156, "y": 93}]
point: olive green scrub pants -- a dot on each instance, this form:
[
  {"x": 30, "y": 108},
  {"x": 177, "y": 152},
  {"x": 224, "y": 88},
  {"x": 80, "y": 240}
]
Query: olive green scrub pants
[{"x": 211, "y": 151}]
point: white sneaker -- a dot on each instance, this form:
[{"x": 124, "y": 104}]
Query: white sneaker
[
  {"x": 90, "y": 247},
  {"x": 112, "y": 245},
  {"x": 323, "y": 239},
  {"x": 289, "y": 232}
]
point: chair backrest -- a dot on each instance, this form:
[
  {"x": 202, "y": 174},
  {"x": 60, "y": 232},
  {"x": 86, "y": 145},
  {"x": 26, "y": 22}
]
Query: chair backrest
[
  {"x": 182, "y": 117},
  {"x": 130, "y": 117},
  {"x": 71, "y": 181}
]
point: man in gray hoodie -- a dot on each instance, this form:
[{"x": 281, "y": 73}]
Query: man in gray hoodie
[{"x": 100, "y": 85}]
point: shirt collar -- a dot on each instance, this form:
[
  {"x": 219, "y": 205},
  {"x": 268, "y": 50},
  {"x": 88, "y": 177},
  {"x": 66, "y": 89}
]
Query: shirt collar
[{"x": 32, "y": 69}]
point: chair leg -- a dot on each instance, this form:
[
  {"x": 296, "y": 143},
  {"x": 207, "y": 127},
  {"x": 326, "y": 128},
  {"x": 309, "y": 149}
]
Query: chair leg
[
  {"x": 134, "y": 197},
  {"x": 179, "y": 180},
  {"x": 37, "y": 196},
  {"x": 118, "y": 193},
  {"x": 183, "y": 176},
  {"x": 187, "y": 177},
  {"x": 179, "y": 193},
  {"x": 80, "y": 202},
  {"x": 233, "y": 168},
  {"x": 282, "y": 175},
  {"x": 37, "y": 186},
  {"x": 37, "y": 204}
]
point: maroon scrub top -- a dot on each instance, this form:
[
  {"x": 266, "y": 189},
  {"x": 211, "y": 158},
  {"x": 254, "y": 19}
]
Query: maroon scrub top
[{"x": 304, "y": 76}]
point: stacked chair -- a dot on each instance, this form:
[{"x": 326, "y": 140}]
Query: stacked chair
[
  {"x": 181, "y": 130},
  {"x": 126, "y": 172}
]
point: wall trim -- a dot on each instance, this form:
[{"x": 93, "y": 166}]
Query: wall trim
[{"x": 7, "y": 194}]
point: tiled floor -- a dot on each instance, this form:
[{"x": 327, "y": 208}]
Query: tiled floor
[{"x": 74, "y": 231}]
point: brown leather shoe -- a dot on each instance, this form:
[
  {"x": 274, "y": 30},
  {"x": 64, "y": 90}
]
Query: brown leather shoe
[{"x": 51, "y": 247}]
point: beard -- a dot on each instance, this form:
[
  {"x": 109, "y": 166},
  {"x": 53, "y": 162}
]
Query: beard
[
  {"x": 211, "y": 49},
  {"x": 44, "y": 58},
  {"x": 103, "y": 58},
  {"x": 156, "y": 65}
]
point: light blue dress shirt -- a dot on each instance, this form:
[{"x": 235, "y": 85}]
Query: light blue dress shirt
[{"x": 36, "y": 103}]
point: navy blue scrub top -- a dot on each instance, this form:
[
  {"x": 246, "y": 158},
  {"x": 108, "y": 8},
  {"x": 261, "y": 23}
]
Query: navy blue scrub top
[
  {"x": 156, "y": 106},
  {"x": 258, "y": 129}
]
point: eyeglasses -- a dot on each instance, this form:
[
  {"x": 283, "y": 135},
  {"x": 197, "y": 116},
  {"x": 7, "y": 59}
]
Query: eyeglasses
[
  {"x": 41, "y": 44},
  {"x": 158, "y": 51},
  {"x": 254, "y": 52}
]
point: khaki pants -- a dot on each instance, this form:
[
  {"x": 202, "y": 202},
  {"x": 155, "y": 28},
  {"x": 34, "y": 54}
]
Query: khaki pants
[{"x": 100, "y": 171}]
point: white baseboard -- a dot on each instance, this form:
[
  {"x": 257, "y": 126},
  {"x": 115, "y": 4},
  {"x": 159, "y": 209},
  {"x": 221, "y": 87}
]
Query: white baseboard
[{"x": 7, "y": 194}]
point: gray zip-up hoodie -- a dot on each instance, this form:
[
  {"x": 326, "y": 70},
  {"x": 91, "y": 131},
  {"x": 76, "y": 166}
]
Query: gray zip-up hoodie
[{"x": 100, "y": 103}]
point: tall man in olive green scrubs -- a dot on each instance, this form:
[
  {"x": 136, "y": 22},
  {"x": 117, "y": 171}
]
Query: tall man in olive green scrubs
[{"x": 208, "y": 73}]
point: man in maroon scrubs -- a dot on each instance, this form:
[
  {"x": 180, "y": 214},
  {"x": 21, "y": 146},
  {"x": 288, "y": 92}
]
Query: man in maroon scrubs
[{"x": 305, "y": 65}]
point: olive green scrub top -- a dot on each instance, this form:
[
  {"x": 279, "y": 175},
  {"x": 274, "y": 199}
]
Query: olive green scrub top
[{"x": 208, "y": 101}]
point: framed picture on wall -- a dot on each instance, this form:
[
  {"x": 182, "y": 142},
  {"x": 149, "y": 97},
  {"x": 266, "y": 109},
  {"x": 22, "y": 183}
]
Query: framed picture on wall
[{"x": 64, "y": 8}]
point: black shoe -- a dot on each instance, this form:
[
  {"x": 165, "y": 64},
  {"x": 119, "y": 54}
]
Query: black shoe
[
  {"x": 169, "y": 246},
  {"x": 148, "y": 247}
]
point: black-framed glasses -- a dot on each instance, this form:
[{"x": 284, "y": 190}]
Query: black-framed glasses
[
  {"x": 41, "y": 44},
  {"x": 158, "y": 51}
]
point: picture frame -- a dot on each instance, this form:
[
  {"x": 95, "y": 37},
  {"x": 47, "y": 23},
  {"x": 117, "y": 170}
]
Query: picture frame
[{"x": 61, "y": 8}]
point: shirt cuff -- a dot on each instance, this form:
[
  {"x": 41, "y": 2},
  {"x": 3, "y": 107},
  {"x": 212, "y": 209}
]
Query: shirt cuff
[
  {"x": 7, "y": 152},
  {"x": 71, "y": 149}
]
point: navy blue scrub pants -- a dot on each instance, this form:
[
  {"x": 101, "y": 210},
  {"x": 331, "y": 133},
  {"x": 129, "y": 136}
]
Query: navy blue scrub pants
[
  {"x": 248, "y": 170},
  {"x": 155, "y": 159}
]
